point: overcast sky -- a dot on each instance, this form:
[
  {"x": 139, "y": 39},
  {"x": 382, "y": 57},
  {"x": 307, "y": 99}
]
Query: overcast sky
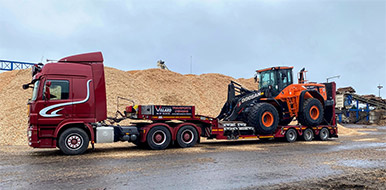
[{"x": 340, "y": 37}]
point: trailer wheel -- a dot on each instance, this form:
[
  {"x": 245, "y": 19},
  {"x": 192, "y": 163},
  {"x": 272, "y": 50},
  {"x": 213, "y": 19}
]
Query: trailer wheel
[
  {"x": 264, "y": 117},
  {"x": 158, "y": 138},
  {"x": 311, "y": 113},
  {"x": 73, "y": 141},
  {"x": 291, "y": 135},
  {"x": 187, "y": 136},
  {"x": 323, "y": 134},
  {"x": 308, "y": 134}
]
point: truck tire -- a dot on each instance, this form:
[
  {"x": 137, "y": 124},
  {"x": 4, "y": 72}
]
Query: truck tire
[
  {"x": 187, "y": 136},
  {"x": 308, "y": 134},
  {"x": 73, "y": 141},
  {"x": 158, "y": 138},
  {"x": 264, "y": 117},
  {"x": 291, "y": 135},
  {"x": 311, "y": 113},
  {"x": 323, "y": 134}
]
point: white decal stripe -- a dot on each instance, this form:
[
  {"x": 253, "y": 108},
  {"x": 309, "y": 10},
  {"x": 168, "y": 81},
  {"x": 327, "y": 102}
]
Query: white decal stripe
[{"x": 44, "y": 111}]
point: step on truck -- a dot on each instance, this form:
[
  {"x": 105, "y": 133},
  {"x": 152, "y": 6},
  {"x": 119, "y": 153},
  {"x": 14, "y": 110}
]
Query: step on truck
[{"x": 68, "y": 110}]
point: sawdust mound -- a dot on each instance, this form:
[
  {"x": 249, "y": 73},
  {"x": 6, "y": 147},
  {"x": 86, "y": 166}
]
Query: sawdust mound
[
  {"x": 13, "y": 107},
  {"x": 344, "y": 131},
  {"x": 207, "y": 92}
]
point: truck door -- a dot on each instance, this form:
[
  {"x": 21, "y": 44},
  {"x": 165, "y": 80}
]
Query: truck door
[
  {"x": 83, "y": 89},
  {"x": 56, "y": 103}
]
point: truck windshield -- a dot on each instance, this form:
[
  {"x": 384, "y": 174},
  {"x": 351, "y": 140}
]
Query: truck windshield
[
  {"x": 35, "y": 91},
  {"x": 266, "y": 78}
]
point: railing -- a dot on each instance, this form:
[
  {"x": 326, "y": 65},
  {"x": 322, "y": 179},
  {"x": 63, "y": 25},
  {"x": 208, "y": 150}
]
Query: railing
[{"x": 14, "y": 65}]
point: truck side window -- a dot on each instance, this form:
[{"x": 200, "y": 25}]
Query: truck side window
[{"x": 59, "y": 89}]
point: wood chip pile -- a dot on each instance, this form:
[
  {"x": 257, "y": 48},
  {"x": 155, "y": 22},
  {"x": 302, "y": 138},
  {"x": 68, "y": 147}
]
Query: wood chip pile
[
  {"x": 13, "y": 107},
  {"x": 207, "y": 92}
]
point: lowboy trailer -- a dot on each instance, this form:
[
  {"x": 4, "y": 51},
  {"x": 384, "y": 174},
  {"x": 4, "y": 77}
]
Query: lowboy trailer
[{"x": 68, "y": 110}]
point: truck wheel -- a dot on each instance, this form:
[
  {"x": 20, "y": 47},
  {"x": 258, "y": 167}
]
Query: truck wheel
[
  {"x": 187, "y": 136},
  {"x": 291, "y": 135},
  {"x": 308, "y": 135},
  {"x": 312, "y": 113},
  {"x": 158, "y": 138},
  {"x": 264, "y": 118},
  {"x": 323, "y": 134},
  {"x": 73, "y": 141}
]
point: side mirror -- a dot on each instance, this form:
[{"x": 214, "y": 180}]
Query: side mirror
[
  {"x": 26, "y": 86},
  {"x": 47, "y": 94}
]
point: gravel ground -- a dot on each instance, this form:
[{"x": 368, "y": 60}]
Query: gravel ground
[
  {"x": 348, "y": 162},
  {"x": 362, "y": 179}
]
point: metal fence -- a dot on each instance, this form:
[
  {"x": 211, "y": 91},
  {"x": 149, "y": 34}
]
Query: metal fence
[{"x": 14, "y": 65}]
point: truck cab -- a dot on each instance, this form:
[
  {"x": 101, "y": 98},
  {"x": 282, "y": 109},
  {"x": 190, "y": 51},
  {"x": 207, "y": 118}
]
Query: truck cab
[{"x": 68, "y": 93}]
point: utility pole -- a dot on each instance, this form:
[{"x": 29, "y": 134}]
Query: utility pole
[{"x": 379, "y": 89}]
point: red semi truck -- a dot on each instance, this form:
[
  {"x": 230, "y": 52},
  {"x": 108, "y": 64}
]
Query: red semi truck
[{"x": 68, "y": 110}]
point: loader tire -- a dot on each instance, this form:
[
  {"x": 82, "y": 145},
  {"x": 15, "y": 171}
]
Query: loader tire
[
  {"x": 264, "y": 117},
  {"x": 311, "y": 113}
]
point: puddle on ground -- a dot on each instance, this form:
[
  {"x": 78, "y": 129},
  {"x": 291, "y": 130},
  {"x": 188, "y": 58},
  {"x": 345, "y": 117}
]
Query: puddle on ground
[
  {"x": 363, "y": 163},
  {"x": 373, "y": 132},
  {"x": 381, "y": 149},
  {"x": 367, "y": 139},
  {"x": 382, "y": 127},
  {"x": 358, "y": 145}
]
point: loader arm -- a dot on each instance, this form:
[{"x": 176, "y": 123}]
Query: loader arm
[{"x": 238, "y": 99}]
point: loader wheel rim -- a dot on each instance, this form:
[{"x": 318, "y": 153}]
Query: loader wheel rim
[
  {"x": 159, "y": 137},
  {"x": 314, "y": 112},
  {"x": 267, "y": 119},
  {"x": 187, "y": 136}
]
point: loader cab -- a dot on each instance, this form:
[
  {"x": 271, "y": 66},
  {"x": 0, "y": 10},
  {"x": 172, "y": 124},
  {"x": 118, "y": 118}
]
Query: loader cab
[{"x": 273, "y": 80}]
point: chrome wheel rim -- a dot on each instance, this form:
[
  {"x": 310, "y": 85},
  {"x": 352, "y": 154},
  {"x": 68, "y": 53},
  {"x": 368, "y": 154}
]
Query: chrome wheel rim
[
  {"x": 187, "y": 136},
  {"x": 74, "y": 141},
  {"x": 159, "y": 137}
]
